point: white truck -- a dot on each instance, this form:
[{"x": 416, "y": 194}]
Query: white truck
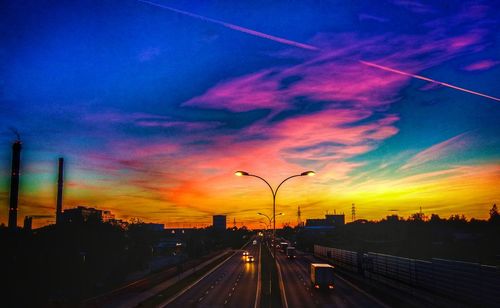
[
  {"x": 322, "y": 276},
  {"x": 283, "y": 246}
]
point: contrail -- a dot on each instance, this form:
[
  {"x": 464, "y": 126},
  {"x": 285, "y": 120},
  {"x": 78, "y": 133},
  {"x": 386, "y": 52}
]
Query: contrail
[
  {"x": 236, "y": 27},
  {"x": 314, "y": 48},
  {"x": 385, "y": 68}
]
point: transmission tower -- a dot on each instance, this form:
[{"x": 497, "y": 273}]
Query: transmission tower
[{"x": 299, "y": 221}]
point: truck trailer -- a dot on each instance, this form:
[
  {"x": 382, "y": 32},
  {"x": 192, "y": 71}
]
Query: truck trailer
[
  {"x": 322, "y": 276},
  {"x": 290, "y": 252},
  {"x": 283, "y": 246}
]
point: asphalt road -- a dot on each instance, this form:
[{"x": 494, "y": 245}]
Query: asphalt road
[
  {"x": 233, "y": 284},
  {"x": 298, "y": 290}
]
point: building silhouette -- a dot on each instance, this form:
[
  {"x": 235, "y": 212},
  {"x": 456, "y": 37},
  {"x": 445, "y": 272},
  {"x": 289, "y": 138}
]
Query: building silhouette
[
  {"x": 28, "y": 223},
  {"x": 82, "y": 214},
  {"x": 330, "y": 221},
  {"x": 219, "y": 222}
]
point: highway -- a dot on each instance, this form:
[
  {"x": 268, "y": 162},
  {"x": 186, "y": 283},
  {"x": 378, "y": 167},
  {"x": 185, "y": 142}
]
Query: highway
[
  {"x": 233, "y": 284},
  {"x": 298, "y": 287}
]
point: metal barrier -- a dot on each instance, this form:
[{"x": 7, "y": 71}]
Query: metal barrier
[
  {"x": 341, "y": 258},
  {"x": 467, "y": 282}
]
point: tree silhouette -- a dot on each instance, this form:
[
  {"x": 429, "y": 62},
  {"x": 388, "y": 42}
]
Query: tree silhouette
[{"x": 494, "y": 216}]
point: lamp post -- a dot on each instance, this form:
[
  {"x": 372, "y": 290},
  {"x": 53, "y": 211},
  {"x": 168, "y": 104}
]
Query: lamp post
[
  {"x": 265, "y": 225},
  {"x": 274, "y": 192},
  {"x": 270, "y": 218}
]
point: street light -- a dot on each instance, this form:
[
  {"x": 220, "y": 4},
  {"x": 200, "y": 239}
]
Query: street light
[
  {"x": 270, "y": 218},
  {"x": 265, "y": 225},
  {"x": 274, "y": 192}
]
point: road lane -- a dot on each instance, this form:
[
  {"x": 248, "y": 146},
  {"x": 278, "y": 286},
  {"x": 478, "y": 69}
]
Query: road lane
[
  {"x": 233, "y": 284},
  {"x": 300, "y": 294}
]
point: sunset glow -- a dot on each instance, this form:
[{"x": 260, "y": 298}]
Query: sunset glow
[{"x": 157, "y": 108}]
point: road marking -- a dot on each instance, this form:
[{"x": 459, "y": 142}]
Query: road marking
[
  {"x": 362, "y": 292},
  {"x": 282, "y": 286},
  {"x": 164, "y": 304},
  {"x": 257, "y": 295}
]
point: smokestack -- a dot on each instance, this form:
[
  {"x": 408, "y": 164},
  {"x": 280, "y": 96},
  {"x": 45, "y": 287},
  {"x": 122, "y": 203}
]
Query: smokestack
[
  {"x": 28, "y": 223},
  {"x": 14, "y": 184},
  {"x": 59, "y": 190}
]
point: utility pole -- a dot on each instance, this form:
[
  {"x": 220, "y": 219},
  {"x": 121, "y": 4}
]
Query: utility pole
[
  {"x": 299, "y": 221},
  {"x": 353, "y": 212}
]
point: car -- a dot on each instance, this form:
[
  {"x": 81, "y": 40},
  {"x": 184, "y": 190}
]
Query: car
[
  {"x": 249, "y": 259},
  {"x": 245, "y": 253}
]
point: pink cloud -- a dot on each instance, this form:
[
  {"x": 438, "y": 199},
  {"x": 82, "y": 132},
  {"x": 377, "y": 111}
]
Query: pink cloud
[
  {"x": 481, "y": 65},
  {"x": 250, "y": 92},
  {"x": 178, "y": 124},
  {"x": 351, "y": 122},
  {"x": 414, "y": 6},
  {"x": 140, "y": 119}
]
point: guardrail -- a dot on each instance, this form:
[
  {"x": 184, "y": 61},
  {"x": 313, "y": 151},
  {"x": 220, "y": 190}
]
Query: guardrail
[
  {"x": 467, "y": 282},
  {"x": 341, "y": 258}
]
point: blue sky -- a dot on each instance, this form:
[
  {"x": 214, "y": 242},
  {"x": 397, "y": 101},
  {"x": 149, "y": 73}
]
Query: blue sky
[{"x": 120, "y": 87}]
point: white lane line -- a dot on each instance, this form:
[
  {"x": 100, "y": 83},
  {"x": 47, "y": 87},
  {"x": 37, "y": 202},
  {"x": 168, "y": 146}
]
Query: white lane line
[
  {"x": 282, "y": 286},
  {"x": 362, "y": 291},
  {"x": 257, "y": 295},
  {"x": 164, "y": 304}
]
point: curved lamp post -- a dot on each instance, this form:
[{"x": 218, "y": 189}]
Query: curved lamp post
[
  {"x": 270, "y": 218},
  {"x": 265, "y": 225},
  {"x": 274, "y": 192}
]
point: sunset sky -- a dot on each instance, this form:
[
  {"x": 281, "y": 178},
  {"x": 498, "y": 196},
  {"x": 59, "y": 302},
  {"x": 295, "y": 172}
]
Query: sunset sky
[{"x": 154, "y": 107}]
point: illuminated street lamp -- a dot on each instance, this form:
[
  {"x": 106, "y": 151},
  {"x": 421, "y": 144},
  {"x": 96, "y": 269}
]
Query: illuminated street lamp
[{"x": 274, "y": 192}]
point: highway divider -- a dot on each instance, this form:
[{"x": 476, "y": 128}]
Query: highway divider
[
  {"x": 119, "y": 296},
  {"x": 259, "y": 278},
  {"x": 271, "y": 295},
  {"x": 157, "y": 290}
]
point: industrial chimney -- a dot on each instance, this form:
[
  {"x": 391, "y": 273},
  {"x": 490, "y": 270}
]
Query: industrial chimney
[
  {"x": 59, "y": 191},
  {"x": 14, "y": 184}
]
